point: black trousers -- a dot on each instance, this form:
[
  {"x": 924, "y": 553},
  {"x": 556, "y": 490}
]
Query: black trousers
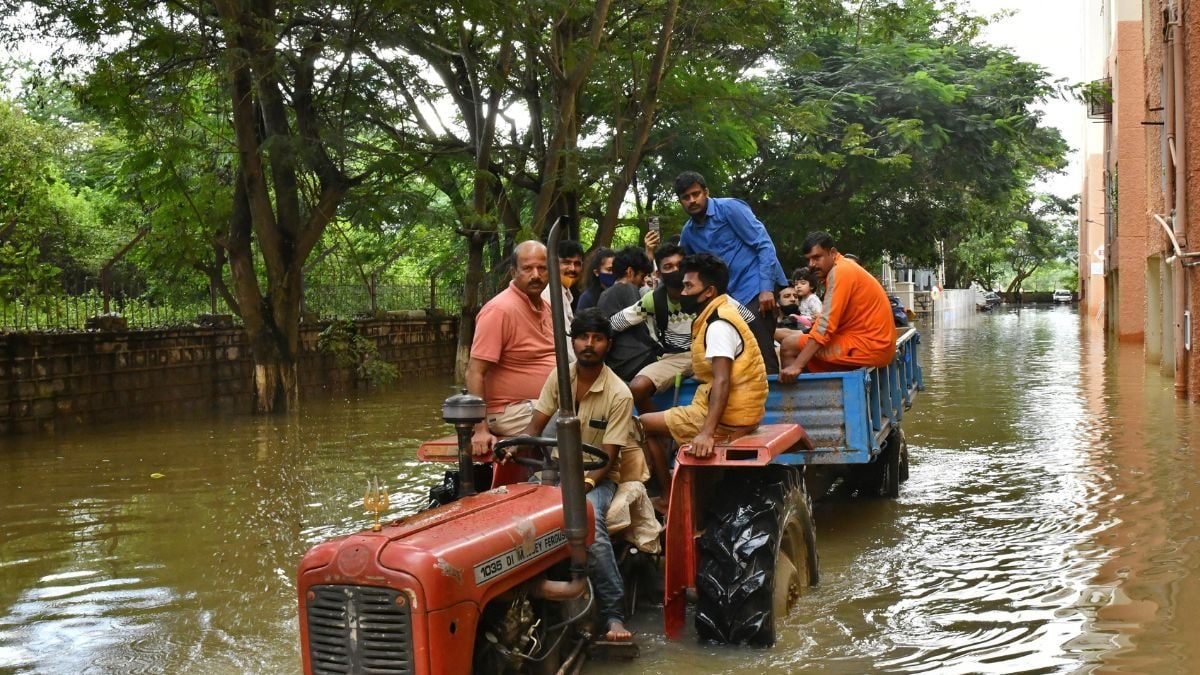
[{"x": 763, "y": 328}]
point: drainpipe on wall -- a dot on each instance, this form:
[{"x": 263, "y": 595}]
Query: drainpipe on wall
[{"x": 1178, "y": 146}]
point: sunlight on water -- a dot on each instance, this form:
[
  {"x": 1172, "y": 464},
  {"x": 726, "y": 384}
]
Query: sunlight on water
[{"x": 1050, "y": 525}]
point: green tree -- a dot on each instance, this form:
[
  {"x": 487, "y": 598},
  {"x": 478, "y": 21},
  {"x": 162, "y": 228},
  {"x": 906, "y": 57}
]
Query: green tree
[
  {"x": 1038, "y": 231},
  {"x": 901, "y": 125},
  {"x": 43, "y": 218},
  {"x": 1043, "y": 233},
  {"x": 277, "y": 89},
  {"x": 555, "y": 107}
]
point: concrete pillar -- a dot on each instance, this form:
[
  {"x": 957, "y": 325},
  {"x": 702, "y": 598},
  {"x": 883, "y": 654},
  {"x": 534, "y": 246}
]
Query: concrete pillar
[{"x": 1128, "y": 163}]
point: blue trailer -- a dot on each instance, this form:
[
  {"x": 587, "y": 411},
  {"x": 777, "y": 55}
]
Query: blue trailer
[{"x": 851, "y": 417}]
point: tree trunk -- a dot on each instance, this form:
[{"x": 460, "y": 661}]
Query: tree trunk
[
  {"x": 568, "y": 83},
  {"x": 470, "y": 305},
  {"x": 276, "y": 388},
  {"x": 269, "y": 205},
  {"x": 950, "y": 261},
  {"x": 637, "y": 146},
  {"x": 1015, "y": 285}
]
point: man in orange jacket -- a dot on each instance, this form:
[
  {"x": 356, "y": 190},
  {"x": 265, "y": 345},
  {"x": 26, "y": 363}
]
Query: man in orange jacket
[{"x": 856, "y": 327}]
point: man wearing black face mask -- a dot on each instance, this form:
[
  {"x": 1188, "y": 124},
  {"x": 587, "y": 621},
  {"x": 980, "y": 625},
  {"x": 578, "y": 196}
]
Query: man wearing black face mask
[
  {"x": 788, "y": 304},
  {"x": 725, "y": 358},
  {"x": 726, "y": 227},
  {"x": 672, "y": 328}
]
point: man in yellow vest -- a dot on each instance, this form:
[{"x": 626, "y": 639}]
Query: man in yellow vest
[{"x": 731, "y": 399}]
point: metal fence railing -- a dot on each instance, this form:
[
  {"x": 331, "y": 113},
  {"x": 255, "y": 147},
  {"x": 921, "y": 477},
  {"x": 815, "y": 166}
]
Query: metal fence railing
[
  {"x": 72, "y": 311},
  {"x": 354, "y": 300}
]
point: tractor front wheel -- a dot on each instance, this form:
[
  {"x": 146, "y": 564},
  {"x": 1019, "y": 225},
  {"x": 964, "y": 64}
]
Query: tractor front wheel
[{"x": 758, "y": 554}]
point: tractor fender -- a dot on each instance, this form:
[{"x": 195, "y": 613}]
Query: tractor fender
[{"x": 758, "y": 448}]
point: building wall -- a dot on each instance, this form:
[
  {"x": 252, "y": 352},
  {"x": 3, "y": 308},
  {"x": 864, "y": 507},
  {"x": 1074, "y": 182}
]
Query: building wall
[
  {"x": 1127, "y": 163},
  {"x": 1092, "y": 212},
  {"x": 1161, "y": 315},
  {"x": 956, "y": 307},
  {"x": 1191, "y": 152},
  {"x": 1140, "y": 294},
  {"x": 52, "y": 381}
]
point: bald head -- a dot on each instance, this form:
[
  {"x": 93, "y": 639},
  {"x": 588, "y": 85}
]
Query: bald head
[
  {"x": 529, "y": 271},
  {"x": 525, "y": 247}
]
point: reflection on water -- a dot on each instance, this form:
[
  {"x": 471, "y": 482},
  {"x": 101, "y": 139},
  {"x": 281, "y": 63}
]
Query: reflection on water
[
  {"x": 1051, "y": 524},
  {"x": 104, "y": 566}
]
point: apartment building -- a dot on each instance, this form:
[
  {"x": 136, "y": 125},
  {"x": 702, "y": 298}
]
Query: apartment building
[{"x": 1141, "y": 190}]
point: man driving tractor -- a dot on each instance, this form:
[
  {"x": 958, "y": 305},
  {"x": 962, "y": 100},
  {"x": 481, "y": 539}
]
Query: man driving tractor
[{"x": 605, "y": 410}]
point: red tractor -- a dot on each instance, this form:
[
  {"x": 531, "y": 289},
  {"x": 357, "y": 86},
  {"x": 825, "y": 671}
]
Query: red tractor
[
  {"x": 496, "y": 582},
  {"x": 492, "y": 582}
]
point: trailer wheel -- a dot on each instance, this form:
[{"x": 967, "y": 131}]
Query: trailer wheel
[
  {"x": 891, "y": 465},
  {"x": 903, "y": 457},
  {"x": 758, "y": 554}
]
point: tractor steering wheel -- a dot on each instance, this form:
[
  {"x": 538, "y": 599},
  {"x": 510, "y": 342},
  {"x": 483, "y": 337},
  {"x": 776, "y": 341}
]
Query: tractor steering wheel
[{"x": 546, "y": 461}]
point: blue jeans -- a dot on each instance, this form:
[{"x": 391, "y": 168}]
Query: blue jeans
[{"x": 602, "y": 567}]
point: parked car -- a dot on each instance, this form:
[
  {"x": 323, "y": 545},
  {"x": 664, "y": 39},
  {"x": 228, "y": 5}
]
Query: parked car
[
  {"x": 1063, "y": 296},
  {"x": 991, "y": 299}
]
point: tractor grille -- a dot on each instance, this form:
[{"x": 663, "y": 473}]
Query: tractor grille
[{"x": 359, "y": 629}]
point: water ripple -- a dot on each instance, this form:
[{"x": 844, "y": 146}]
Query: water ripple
[{"x": 1051, "y": 524}]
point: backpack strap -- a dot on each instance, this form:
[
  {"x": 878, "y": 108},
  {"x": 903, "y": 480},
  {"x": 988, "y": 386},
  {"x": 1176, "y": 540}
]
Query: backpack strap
[{"x": 662, "y": 313}]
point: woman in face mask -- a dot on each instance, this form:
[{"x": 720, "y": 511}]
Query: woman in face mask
[{"x": 599, "y": 276}]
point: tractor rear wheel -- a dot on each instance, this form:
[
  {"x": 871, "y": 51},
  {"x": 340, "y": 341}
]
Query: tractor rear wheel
[{"x": 758, "y": 554}]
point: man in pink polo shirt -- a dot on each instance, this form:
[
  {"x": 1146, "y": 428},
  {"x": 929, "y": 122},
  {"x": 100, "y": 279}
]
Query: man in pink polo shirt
[{"x": 513, "y": 350}]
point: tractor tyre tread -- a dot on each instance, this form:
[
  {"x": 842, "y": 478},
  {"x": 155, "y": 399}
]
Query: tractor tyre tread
[{"x": 735, "y": 580}]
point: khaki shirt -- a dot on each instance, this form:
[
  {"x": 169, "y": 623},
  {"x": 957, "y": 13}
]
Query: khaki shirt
[{"x": 605, "y": 417}]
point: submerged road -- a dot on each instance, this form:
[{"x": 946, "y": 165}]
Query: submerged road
[{"x": 1051, "y": 524}]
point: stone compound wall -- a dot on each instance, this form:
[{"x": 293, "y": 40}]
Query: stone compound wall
[{"x": 52, "y": 381}]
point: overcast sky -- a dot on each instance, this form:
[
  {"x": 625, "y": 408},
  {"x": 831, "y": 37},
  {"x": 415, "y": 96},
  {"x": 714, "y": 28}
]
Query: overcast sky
[{"x": 1049, "y": 33}]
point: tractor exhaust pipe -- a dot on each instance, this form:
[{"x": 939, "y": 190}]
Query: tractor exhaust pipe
[
  {"x": 570, "y": 437},
  {"x": 559, "y": 591}
]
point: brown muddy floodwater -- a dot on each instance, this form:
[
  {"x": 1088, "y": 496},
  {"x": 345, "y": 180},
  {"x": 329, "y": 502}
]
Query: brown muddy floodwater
[{"x": 1051, "y": 524}]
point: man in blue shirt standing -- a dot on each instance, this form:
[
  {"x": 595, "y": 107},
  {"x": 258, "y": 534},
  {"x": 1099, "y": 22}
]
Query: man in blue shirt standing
[{"x": 728, "y": 229}]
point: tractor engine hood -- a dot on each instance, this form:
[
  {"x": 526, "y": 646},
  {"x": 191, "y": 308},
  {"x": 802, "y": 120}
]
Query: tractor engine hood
[{"x": 471, "y": 549}]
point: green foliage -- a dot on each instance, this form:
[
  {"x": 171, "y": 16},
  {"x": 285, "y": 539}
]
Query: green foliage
[
  {"x": 351, "y": 349},
  {"x": 1035, "y": 233},
  {"x": 22, "y": 276},
  {"x": 44, "y": 221},
  {"x": 898, "y": 128},
  {"x": 422, "y": 139},
  {"x": 1053, "y": 276}
]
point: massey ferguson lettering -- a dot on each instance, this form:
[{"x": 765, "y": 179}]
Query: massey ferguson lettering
[{"x": 517, "y": 556}]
